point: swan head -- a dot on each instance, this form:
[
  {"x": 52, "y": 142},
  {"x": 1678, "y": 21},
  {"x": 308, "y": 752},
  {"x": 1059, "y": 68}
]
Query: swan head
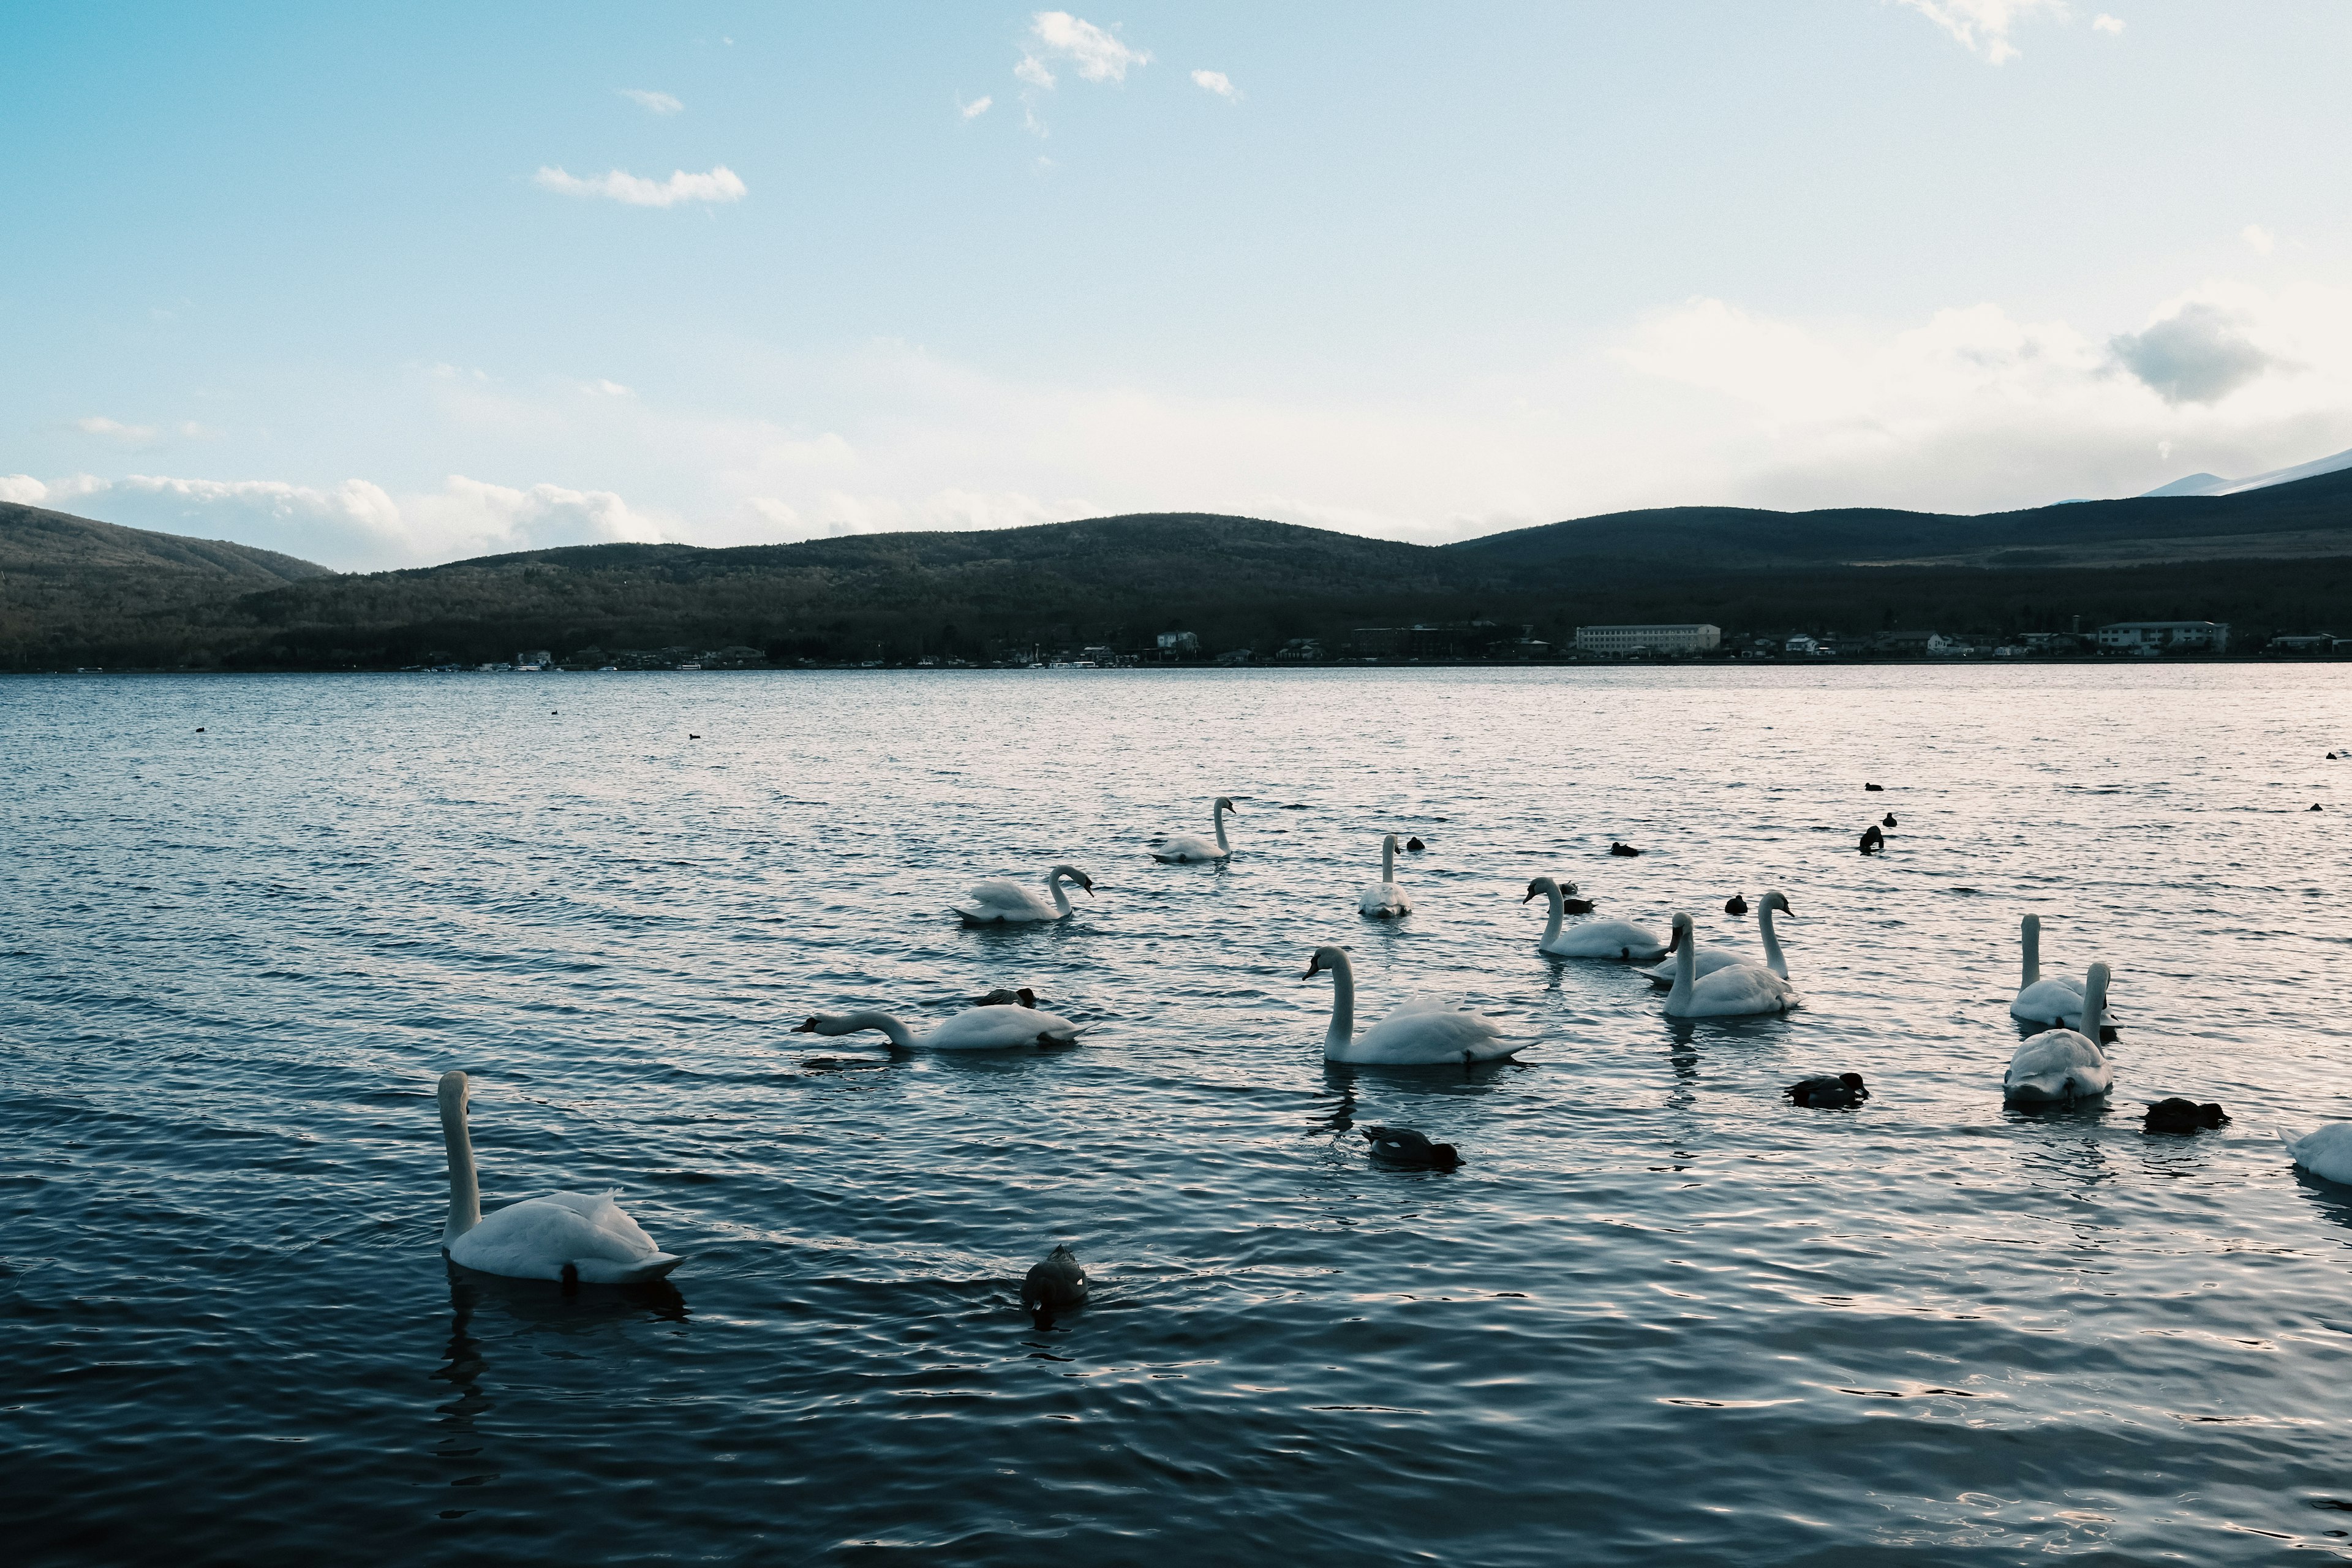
[
  {"x": 1325, "y": 958},
  {"x": 1225, "y": 803},
  {"x": 829, "y": 1023},
  {"x": 1542, "y": 886},
  {"x": 453, "y": 1092},
  {"x": 1776, "y": 899},
  {"x": 1682, "y": 924},
  {"x": 1075, "y": 875},
  {"x": 2031, "y": 925}
]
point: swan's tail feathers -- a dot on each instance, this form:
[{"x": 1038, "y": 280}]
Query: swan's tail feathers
[
  {"x": 642, "y": 1271},
  {"x": 2290, "y": 1143}
]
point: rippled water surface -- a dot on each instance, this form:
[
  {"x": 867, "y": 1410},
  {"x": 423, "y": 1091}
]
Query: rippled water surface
[{"x": 1658, "y": 1316}]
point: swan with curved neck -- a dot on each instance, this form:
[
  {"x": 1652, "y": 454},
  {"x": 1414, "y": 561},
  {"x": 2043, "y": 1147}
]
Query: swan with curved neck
[
  {"x": 1186, "y": 846},
  {"x": 1620, "y": 940},
  {"x": 2062, "y": 1065},
  {"x": 2052, "y": 999},
  {"x": 1421, "y": 1032},
  {"x": 1733, "y": 991},
  {"x": 1003, "y": 901},
  {"x": 985, "y": 1028},
  {"x": 1384, "y": 900},
  {"x": 1710, "y": 958},
  {"x": 576, "y": 1237}
]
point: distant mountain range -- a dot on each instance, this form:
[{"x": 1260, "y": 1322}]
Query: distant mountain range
[
  {"x": 2215, "y": 485},
  {"x": 2273, "y": 554}
]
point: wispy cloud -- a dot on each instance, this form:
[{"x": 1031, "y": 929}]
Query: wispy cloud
[
  {"x": 1983, "y": 27},
  {"x": 2105, "y": 23},
  {"x": 976, "y": 107},
  {"x": 1095, "y": 54},
  {"x": 651, "y": 101},
  {"x": 720, "y": 185},
  {"x": 1218, "y": 83},
  {"x": 2200, "y": 353},
  {"x": 2261, "y": 240},
  {"x": 115, "y": 429}
]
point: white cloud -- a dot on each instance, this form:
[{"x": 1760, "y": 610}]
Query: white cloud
[
  {"x": 2200, "y": 353},
  {"x": 601, "y": 389},
  {"x": 1983, "y": 27},
  {"x": 652, "y": 102},
  {"x": 23, "y": 489},
  {"x": 1095, "y": 54},
  {"x": 2105, "y": 23},
  {"x": 1033, "y": 72},
  {"x": 115, "y": 430},
  {"x": 2261, "y": 240},
  {"x": 976, "y": 107},
  {"x": 1218, "y": 83},
  {"x": 720, "y": 185}
]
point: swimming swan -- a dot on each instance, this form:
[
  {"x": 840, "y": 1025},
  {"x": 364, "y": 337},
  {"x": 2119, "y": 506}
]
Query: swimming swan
[
  {"x": 1384, "y": 900},
  {"x": 1735, "y": 991},
  {"x": 1711, "y": 959},
  {"x": 1593, "y": 938},
  {"x": 1184, "y": 846},
  {"x": 573, "y": 1237},
  {"x": 2059, "y": 1064},
  {"x": 988, "y": 1028},
  {"x": 2326, "y": 1153},
  {"x": 2054, "y": 1000},
  {"x": 1423, "y": 1031},
  {"x": 1003, "y": 901}
]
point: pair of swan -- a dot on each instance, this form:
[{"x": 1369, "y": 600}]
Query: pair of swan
[
  {"x": 1185, "y": 848},
  {"x": 1710, "y": 958},
  {"x": 1594, "y": 939},
  {"x": 1735, "y": 990},
  {"x": 2056, "y": 1000},
  {"x": 1384, "y": 900},
  {"x": 1002, "y": 902},
  {"x": 1421, "y": 1032},
  {"x": 2060, "y": 1064}
]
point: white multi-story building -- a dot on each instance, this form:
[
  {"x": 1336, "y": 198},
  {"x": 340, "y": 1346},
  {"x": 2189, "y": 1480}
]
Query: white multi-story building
[
  {"x": 2206, "y": 637},
  {"x": 1688, "y": 637}
]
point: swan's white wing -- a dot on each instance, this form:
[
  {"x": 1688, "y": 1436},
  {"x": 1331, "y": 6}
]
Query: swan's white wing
[
  {"x": 534, "y": 1239},
  {"x": 1740, "y": 991},
  {"x": 2324, "y": 1153},
  {"x": 1188, "y": 846},
  {"x": 1608, "y": 939},
  {"x": 999, "y": 900},
  {"x": 1383, "y": 901},
  {"x": 2056, "y": 1064},
  {"x": 1708, "y": 960},
  {"x": 2048, "y": 999},
  {"x": 998, "y": 1029},
  {"x": 1425, "y": 1030}
]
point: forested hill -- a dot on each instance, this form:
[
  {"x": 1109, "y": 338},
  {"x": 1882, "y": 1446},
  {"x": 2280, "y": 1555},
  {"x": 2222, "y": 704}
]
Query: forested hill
[{"x": 74, "y": 592}]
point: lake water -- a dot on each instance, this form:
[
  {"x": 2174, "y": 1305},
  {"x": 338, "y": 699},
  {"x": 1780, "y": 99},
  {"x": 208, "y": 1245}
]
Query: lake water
[{"x": 1658, "y": 1316}]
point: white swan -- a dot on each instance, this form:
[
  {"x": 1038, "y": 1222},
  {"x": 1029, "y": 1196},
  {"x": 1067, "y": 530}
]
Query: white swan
[
  {"x": 2054, "y": 1000},
  {"x": 1710, "y": 958},
  {"x": 2059, "y": 1064},
  {"x": 1183, "y": 846},
  {"x": 571, "y": 1236},
  {"x": 1008, "y": 902},
  {"x": 1384, "y": 900},
  {"x": 2326, "y": 1153},
  {"x": 988, "y": 1028},
  {"x": 1734, "y": 990},
  {"x": 1593, "y": 938},
  {"x": 1423, "y": 1031}
]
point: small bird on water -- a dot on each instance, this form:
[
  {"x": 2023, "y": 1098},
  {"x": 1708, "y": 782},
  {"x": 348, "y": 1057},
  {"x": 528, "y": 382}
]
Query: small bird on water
[
  {"x": 1886, "y": 821},
  {"x": 1415, "y": 845},
  {"x": 1000, "y": 997},
  {"x": 1059, "y": 1281},
  {"x": 1617, "y": 848},
  {"x": 1826, "y": 1093},
  {"x": 2174, "y": 1114},
  {"x": 1403, "y": 1146},
  {"x": 1735, "y": 905},
  {"x": 1873, "y": 786}
]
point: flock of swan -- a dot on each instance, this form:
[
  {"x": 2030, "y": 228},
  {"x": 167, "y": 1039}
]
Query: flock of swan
[{"x": 582, "y": 1238}]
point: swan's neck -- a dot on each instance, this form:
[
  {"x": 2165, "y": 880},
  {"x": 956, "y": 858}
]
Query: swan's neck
[
  {"x": 882, "y": 1021},
  {"x": 2033, "y": 937},
  {"x": 2095, "y": 1007},
  {"x": 1223, "y": 848},
  {"x": 1343, "y": 1003},
  {"x": 1772, "y": 959},
  {"x": 1387, "y": 858},
  {"x": 1685, "y": 970},
  {"x": 1053, "y": 886},
  {"x": 1559, "y": 908},
  {"x": 464, "y": 1186}
]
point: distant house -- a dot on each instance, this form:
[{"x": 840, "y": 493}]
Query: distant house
[
  {"x": 2133, "y": 637},
  {"x": 2303, "y": 642},
  {"x": 1180, "y": 644},
  {"x": 1426, "y": 639},
  {"x": 1678, "y": 638},
  {"x": 528, "y": 659},
  {"x": 1304, "y": 648},
  {"x": 1917, "y": 645}
]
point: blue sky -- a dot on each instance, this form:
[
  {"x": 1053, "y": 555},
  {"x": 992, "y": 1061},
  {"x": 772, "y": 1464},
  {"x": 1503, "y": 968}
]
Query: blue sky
[{"x": 396, "y": 285}]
